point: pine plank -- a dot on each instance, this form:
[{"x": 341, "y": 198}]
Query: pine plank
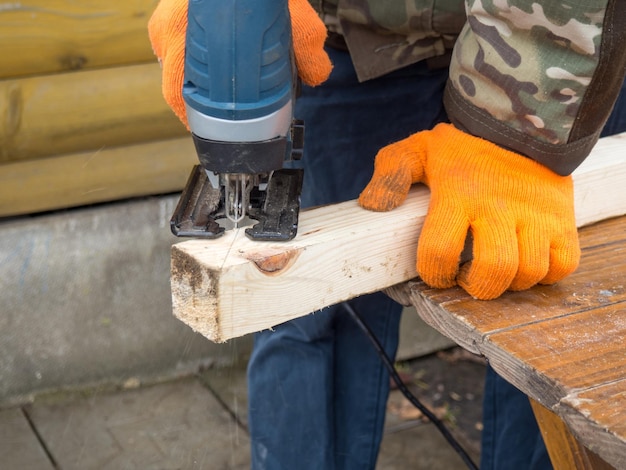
[
  {"x": 49, "y": 36},
  {"x": 226, "y": 288},
  {"x": 233, "y": 286},
  {"x": 91, "y": 177},
  {"x": 599, "y": 181}
]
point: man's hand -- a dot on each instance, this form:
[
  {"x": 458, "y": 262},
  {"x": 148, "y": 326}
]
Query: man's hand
[
  {"x": 167, "y": 29},
  {"x": 520, "y": 214}
]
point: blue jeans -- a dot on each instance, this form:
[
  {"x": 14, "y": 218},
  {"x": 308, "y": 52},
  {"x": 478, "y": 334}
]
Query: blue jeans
[
  {"x": 511, "y": 437},
  {"x": 317, "y": 389}
]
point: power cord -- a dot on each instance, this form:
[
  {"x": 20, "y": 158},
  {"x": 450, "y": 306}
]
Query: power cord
[{"x": 406, "y": 392}]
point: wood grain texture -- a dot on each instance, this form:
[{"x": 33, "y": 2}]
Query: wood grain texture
[
  {"x": 564, "y": 345},
  {"x": 80, "y": 111},
  {"x": 566, "y": 452},
  {"x": 597, "y": 415},
  {"x": 343, "y": 251},
  {"x": 467, "y": 320},
  {"x": 49, "y": 36},
  {"x": 557, "y": 356},
  {"x": 89, "y": 177},
  {"x": 233, "y": 286},
  {"x": 599, "y": 182}
]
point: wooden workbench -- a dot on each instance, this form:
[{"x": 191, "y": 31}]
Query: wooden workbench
[{"x": 562, "y": 345}]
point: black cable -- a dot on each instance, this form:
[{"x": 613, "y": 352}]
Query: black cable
[{"x": 406, "y": 392}]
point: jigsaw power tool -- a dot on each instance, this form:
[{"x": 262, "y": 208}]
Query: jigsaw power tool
[{"x": 239, "y": 88}]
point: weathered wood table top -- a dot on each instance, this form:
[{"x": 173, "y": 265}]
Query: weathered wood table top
[{"x": 562, "y": 345}]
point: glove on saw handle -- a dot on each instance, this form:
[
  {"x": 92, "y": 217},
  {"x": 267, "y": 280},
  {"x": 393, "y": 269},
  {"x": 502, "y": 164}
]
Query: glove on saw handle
[
  {"x": 520, "y": 214},
  {"x": 167, "y": 29}
]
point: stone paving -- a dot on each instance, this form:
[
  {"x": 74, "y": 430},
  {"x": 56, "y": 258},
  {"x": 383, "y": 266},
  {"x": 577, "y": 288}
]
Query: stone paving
[{"x": 199, "y": 422}]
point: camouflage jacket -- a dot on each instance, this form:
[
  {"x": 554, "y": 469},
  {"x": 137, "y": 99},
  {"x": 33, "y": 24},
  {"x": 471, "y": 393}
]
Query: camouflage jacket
[{"x": 539, "y": 78}]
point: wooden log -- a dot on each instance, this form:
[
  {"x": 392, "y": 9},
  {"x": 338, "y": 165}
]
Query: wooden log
[
  {"x": 79, "y": 111},
  {"x": 47, "y": 36},
  {"x": 90, "y": 177},
  {"x": 232, "y": 286}
]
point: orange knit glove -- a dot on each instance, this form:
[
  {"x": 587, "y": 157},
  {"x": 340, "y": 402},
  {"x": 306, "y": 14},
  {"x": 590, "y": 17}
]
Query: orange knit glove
[
  {"x": 168, "y": 26},
  {"x": 520, "y": 213}
]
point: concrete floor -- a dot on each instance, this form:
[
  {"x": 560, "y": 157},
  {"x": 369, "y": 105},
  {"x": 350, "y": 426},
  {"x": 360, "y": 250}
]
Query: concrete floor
[{"x": 199, "y": 422}]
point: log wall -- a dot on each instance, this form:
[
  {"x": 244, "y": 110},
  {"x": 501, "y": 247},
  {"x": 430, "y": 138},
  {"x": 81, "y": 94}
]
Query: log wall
[{"x": 82, "y": 119}]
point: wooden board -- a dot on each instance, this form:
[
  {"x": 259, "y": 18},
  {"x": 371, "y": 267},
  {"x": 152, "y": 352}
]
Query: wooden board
[
  {"x": 230, "y": 287},
  {"x": 600, "y": 182},
  {"x": 466, "y": 320},
  {"x": 592, "y": 413},
  {"x": 80, "y": 111},
  {"x": 564, "y": 449},
  {"x": 46, "y": 36},
  {"x": 564, "y": 345},
  {"x": 101, "y": 175}
]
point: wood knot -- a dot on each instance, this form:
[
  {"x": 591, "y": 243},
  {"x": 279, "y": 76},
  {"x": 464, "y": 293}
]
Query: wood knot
[
  {"x": 73, "y": 61},
  {"x": 273, "y": 264}
]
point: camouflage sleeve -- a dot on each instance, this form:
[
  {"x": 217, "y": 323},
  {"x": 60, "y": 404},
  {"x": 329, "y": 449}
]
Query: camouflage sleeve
[
  {"x": 539, "y": 78},
  {"x": 386, "y": 35}
]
